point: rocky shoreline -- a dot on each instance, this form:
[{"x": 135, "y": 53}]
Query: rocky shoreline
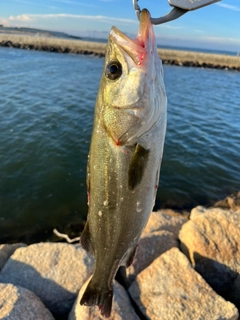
[
  {"x": 170, "y": 57},
  {"x": 185, "y": 268}
]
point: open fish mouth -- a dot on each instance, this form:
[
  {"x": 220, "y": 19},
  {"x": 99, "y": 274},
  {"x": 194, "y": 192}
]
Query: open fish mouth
[{"x": 138, "y": 48}]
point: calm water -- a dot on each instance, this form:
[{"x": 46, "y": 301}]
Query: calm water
[{"x": 47, "y": 102}]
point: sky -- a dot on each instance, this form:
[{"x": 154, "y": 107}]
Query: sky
[{"x": 214, "y": 27}]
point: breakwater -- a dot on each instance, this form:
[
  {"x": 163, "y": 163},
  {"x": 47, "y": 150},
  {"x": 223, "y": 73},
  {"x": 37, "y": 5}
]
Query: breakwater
[{"x": 170, "y": 57}]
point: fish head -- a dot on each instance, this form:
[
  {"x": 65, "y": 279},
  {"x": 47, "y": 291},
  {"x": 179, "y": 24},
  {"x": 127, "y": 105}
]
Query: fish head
[{"x": 133, "y": 91}]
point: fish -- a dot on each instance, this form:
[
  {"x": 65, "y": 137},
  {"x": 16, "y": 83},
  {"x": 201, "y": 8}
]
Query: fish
[{"x": 125, "y": 156}]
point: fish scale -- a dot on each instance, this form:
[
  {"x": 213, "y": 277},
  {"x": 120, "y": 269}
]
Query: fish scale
[{"x": 125, "y": 156}]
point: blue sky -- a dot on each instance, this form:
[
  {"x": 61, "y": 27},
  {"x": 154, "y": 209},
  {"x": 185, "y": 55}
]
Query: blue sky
[{"x": 213, "y": 27}]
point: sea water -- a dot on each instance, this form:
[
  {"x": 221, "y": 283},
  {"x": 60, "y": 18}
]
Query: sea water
[{"x": 46, "y": 114}]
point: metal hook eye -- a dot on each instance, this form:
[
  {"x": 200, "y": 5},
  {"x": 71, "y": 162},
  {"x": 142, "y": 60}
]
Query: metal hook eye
[
  {"x": 172, "y": 15},
  {"x": 180, "y": 7}
]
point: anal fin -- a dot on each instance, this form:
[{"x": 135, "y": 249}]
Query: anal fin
[
  {"x": 85, "y": 240},
  {"x": 131, "y": 257}
]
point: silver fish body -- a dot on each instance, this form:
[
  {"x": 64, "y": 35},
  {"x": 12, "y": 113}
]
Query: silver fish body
[{"x": 125, "y": 156}]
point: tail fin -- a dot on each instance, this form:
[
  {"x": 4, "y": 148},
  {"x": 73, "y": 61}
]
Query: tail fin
[{"x": 100, "y": 297}]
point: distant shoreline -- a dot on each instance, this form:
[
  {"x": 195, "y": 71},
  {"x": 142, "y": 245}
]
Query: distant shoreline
[{"x": 168, "y": 56}]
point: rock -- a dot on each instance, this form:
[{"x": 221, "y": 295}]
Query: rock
[
  {"x": 211, "y": 239},
  {"x": 151, "y": 246},
  {"x": 121, "y": 308},
  {"x": 6, "y": 250},
  {"x": 159, "y": 235},
  {"x": 55, "y": 272},
  {"x": 171, "y": 289},
  {"x": 17, "y": 303},
  {"x": 165, "y": 220},
  {"x": 230, "y": 202},
  {"x": 199, "y": 210}
]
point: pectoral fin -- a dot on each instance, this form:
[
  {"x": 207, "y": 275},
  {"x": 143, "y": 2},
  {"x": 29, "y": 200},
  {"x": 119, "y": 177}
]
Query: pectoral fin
[
  {"x": 137, "y": 166},
  {"x": 85, "y": 240}
]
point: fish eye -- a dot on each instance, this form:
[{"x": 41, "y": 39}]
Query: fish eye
[{"x": 113, "y": 70}]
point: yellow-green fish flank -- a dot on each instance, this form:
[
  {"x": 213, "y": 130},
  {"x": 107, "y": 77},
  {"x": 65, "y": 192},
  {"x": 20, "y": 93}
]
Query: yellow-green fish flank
[{"x": 125, "y": 156}]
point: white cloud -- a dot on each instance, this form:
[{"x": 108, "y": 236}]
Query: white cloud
[
  {"x": 228, "y": 6},
  {"x": 4, "y": 22},
  {"x": 75, "y": 3},
  {"x": 33, "y": 4},
  {"x": 22, "y": 17},
  {"x": 167, "y": 26},
  {"x": 31, "y": 17},
  {"x": 222, "y": 40}
]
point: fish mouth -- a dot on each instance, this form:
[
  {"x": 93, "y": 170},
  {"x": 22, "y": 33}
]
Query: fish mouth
[{"x": 138, "y": 48}]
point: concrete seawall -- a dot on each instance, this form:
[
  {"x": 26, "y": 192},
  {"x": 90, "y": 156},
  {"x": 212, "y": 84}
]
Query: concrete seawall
[{"x": 171, "y": 57}]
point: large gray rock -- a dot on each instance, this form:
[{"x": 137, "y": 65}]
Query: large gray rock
[
  {"x": 17, "y": 303},
  {"x": 121, "y": 307},
  {"x": 6, "y": 250},
  {"x": 171, "y": 289},
  {"x": 166, "y": 220},
  {"x": 151, "y": 246},
  {"x": 55, "y": 272},
  {"x": 211, "y": 239},
  {"x": 159, "y": 235}
]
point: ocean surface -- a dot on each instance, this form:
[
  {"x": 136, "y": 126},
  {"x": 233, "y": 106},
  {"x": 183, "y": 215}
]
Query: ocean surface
[{"x": 46, "y": 114}]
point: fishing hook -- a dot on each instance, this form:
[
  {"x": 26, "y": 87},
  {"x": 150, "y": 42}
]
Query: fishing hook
[
  {"x": 172, "y": 15},
  {"x": 179, "y": 8}
]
